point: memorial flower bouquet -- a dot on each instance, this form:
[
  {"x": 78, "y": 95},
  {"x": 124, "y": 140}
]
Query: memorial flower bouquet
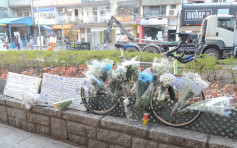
[
  {"x": 220, "y": 105},
  {"x": 188, "y": 86}
]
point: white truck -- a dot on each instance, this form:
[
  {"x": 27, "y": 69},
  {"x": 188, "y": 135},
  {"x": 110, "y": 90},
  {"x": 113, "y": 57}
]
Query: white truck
[{"x": 217, "y": 38}]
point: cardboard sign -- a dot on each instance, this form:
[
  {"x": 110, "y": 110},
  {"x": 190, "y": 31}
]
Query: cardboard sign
[
  {"x": 17, "y": 84},
  {"x": 56, "y": 88},
  {"x": 78, "y": 46}
]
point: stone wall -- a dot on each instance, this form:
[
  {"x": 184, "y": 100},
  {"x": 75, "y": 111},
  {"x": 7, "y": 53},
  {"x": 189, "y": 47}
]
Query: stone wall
[{"x": 93, "y": 131}]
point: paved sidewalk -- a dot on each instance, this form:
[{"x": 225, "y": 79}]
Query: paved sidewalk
[{"x": 15, "y": 138}]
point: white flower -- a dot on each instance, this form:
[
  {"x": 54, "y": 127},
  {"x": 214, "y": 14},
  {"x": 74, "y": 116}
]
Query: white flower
[
  {"x": 126, "y": 102},
  {"x": 163, "y": 67},
  {"x": 197, "y": 83},
  {"x": 107, "y": 61},
  {"x": 167, "y": 78},
  {"x": 120, "y": 72},
  {"x": 131, "y": 62}
]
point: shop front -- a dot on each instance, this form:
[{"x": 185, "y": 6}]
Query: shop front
[
  {"x": 67, "y": 33},
  {"x": 20, "y": 27},
  {"x": 99, "y": 33},
  {"x": 153, "y": 29}
]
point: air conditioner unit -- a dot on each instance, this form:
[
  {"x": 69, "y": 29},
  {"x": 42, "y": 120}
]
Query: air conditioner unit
[
  {"x": 62, "y": 10},
  {"x": 172, "y": 12}
]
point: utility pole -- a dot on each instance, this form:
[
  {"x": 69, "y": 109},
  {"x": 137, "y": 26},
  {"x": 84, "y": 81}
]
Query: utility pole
[
  {"x": 39, "y": 24},
  {"x": 140, "y": 6},
  {"x": 62, "y": 31},
  {"x": 179, "y": 19}
]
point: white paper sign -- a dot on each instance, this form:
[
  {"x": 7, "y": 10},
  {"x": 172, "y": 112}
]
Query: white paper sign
[
  {"x": 17, "y": 84},
  {"x": 56, "y": 88}
]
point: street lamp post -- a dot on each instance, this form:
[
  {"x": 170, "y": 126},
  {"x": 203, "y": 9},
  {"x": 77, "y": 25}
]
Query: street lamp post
[
  {"x": 39, "y": 24},
  {"x": 62, "y": 32}
]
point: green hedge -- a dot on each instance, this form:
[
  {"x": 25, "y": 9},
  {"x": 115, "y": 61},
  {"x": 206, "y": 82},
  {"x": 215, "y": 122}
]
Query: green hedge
[{"x": 18, "y": 61}]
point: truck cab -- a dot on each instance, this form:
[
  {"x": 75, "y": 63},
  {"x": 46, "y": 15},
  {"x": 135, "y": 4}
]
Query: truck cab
[{"x": 218, "y": 36}]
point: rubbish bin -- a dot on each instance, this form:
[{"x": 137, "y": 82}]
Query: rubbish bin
[{"x": 50, "y": 46}]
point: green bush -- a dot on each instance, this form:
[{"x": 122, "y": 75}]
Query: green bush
[
  {"x": 211, "y": 68},
  {"x": 17, "y": 61}
]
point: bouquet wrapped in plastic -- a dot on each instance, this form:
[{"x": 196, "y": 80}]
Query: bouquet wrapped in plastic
[
  {"x": 188, "y": 86},
  {"x": 221, "y": 106},
  {"x": 161, "y": 67}
]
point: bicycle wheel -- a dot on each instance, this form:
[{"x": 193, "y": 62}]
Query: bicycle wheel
[
  {"x": 162, "y": 109},
  {"x": 98, "y": 102}
]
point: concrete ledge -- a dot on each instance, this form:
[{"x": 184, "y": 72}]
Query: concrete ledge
[{"x": 93, "y": 131}]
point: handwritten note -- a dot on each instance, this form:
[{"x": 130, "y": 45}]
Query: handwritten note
[
  {"x": 56, "y": 88},
  {"x": 17, "y": 84}
]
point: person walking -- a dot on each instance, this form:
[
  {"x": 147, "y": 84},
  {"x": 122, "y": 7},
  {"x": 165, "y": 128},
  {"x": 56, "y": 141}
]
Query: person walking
[
  {"x": 17, "y": 42},
  {"x": 31, "y": 42}
]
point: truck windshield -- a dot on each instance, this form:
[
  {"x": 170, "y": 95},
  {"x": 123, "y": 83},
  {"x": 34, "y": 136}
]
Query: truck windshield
[{"x": 227, "y": 24}]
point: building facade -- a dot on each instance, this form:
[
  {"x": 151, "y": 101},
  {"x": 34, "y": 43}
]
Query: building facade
[
  {"x": 159, "y": 19},
  {"x": 5, "y": 12},
  {"x": 85, "y": 20}
]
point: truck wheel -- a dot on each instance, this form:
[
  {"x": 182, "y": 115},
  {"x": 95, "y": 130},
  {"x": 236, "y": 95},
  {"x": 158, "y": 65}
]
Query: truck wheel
[
  {"x": 131, "y": 49},
  {"x": 151, "y": 50},
  {"x": 212, "y": 52}
]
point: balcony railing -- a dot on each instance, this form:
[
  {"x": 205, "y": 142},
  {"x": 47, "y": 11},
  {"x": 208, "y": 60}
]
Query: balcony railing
[{"x": 19, "y": 3}]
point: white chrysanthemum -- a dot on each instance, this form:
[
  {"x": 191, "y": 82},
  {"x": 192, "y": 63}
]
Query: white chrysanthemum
[
  {"x": 126, "y": 102},
  {"x": 120, "y": 72},
  {"x": 167, "y": 78},
  {"x": 107, "y": 61},
  {"x": 163, "y": 67},
  {"x": 131, "y": 62},
  {"x": 197, "y": 83},
  {"x": 95, "y": 67}
]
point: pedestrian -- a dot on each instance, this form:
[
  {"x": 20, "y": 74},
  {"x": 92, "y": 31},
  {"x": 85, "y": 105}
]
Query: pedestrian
[
  {"x": 17, "y": 42},
  {"x": 31, "y": 42}
]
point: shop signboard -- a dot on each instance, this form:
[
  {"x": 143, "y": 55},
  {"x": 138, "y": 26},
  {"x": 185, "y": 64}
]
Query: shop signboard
[
  {"x": 197, "y": 15},
  {"x": 123, "y": 18},
  {"x": 45, "y": 9},
  {"x": 223, "y": 11},
  {"x": 154, "y": 21},
  {"x": 194, "y": 14},
  {"x": 78, "y": 46},
  {"x": 159, "y": 2}
]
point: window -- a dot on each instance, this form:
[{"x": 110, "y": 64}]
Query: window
[
  {"x": 19, "y": 13},
  {"x": 27, "y": 13},
  {"x": 154, "y": 11},
  {"x": 69, "y": 13},
  {"x": 227, "y": 24},
  {"x": 76, "y": 12},
  {"x": 172, "y": 6}
]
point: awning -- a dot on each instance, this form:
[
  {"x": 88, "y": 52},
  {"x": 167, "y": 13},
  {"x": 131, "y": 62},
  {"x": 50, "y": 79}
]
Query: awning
[
  {"x": 60, "y": 26},
  {"x": 47, "y": 27},
  {"x": 18, "y": 20},
  {"x": 190, "y": 28}
]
